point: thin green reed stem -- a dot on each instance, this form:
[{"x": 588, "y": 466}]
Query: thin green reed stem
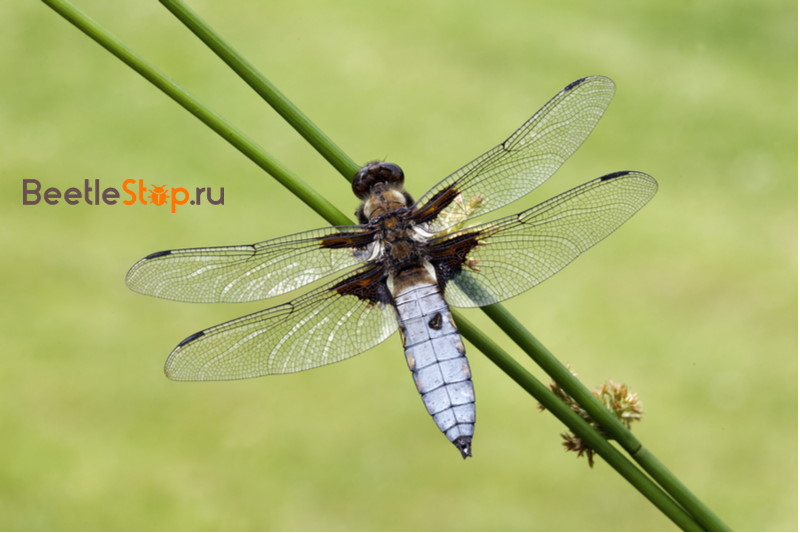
[
  {"x": 497, "y": 312},
  {"x": 214, "y": 121},
  {"x": 576, "y": 424},
  {"x": 285, "y": 108},
  {"x": 610, "y": 424},
  {"x": 317, "y": 203}
]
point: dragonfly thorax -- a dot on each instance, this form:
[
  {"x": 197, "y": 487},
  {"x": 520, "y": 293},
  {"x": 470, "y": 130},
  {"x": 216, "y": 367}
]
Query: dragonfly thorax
[
  {"x": 385, "y": 201},
  {"x": 400, "y": 242}
]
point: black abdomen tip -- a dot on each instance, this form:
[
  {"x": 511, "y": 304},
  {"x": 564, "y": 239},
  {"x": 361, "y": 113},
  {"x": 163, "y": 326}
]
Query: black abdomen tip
[{"x": 464, "y": 445}]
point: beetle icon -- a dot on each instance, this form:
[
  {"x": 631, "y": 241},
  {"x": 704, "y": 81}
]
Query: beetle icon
[{"x": 158, "y": 196}]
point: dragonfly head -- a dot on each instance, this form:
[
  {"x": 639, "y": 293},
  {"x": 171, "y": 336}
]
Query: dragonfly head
[{"x": 374, "y": 173}]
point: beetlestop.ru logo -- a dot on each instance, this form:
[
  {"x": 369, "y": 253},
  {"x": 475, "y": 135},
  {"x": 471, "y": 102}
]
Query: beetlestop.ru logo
[{"x": 93, "y": 194}]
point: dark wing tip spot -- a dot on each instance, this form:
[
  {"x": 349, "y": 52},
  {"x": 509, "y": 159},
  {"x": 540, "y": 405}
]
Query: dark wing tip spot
[
  {"x": 159, "y": 254},
  {"x": 615, "y": 175},
  {"x": 190, "y": 338},
  {"x": 574, "y": 84}
]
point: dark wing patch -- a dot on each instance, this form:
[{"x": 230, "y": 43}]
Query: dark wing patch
[
  {"x": 348, "y": 239},
  {"x": 440, "y": 201},
  {"x": 450, "y": 254},
  {"x": 367, "y": 285}
]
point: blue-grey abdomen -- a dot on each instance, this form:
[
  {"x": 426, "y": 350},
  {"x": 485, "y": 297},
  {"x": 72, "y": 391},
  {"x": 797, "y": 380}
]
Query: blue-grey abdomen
[{"x": 435, "y": 354}]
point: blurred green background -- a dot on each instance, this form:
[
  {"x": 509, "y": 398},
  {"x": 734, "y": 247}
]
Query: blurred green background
[{"x": 693, "y": 303}]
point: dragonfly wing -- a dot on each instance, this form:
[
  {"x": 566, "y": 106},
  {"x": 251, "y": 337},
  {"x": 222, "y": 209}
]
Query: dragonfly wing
[
  {"x": 324, "y": 326},
  {"x": 523, "y": 161},
  {"x": 510, "y": 255},
  {"x": 249, "y": 272}
]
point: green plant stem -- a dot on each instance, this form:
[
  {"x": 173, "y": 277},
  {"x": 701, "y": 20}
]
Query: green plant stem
[
  {"x": 610, "y": 424},
  {"x": 577, "y": 425},
  {"x": 334, "y": 216},
  {"x": 310, "y": 132},
  {"x": 214, "y": 121}
]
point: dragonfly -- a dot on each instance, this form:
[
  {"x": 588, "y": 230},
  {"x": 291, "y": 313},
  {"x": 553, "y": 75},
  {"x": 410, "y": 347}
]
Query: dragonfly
[{"x": 404, "y": 264}]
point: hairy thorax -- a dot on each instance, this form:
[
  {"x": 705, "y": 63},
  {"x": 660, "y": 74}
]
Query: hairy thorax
[{"x": 399, "y": 242}]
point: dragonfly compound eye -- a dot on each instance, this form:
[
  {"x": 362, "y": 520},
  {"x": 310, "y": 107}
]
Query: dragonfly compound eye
[{"x": 376, "y": 172}]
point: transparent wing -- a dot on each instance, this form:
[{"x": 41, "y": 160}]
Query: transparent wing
[
  {"x": 324, "y": 326},
  {"x": 249, "y": 272},
  {"x": 525, "y": 160},
  {"x": 517, "y": 252}
]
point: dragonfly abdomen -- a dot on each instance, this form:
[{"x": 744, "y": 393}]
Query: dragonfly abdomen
[{"x": 435, "y": 354}]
